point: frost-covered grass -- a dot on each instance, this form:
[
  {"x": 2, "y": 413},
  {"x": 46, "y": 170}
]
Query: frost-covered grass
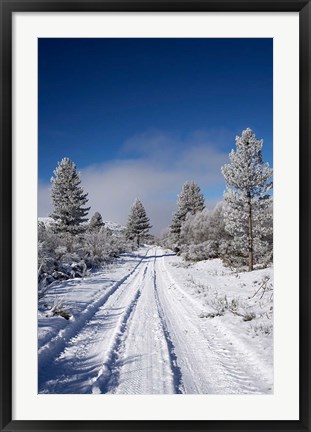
[{"x": 240, "y": 302}]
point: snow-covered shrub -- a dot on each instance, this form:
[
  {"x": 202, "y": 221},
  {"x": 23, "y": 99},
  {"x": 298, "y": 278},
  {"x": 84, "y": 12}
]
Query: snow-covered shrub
[
  {"x": 203, "y": 235},
  {"x": 62, "y": 256},
  {"x": 249, "y": 316},
  {"x": 201, "y": 251},
  {"x": 58, "y": 256},
  {"x": 219, "y": 304},
  {"x": 265, "y": 328},
  {"x": 95, "y": 247},
  {"x": 47, "y": 243},
  {"x": 232, "y": 256},
  {"x": 102, "y": 245},
  {"x": 59, "y": 309}
]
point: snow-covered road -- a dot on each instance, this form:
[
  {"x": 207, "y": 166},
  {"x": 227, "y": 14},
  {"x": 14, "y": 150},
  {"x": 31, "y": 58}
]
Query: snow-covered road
[{"x": 144, "y": 335}]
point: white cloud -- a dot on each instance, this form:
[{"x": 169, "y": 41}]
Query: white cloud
[
  {"x": 159, "y": 165},
  {"x": 44, "y": 199}
]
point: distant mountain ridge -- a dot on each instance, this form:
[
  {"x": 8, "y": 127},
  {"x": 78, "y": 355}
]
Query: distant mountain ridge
[{"x": 113, "y": 226}]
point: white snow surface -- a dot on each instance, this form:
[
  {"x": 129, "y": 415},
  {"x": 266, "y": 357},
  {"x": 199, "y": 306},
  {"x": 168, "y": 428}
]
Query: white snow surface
[{"x": 152, "y": 324}]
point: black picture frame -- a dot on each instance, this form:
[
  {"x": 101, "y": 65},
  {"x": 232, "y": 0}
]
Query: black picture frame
[{"x": 8, "y": 7}]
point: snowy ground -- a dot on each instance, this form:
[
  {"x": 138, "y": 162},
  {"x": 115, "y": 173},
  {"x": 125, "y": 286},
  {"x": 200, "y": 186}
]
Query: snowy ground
[{"x": 152, "y": 324}]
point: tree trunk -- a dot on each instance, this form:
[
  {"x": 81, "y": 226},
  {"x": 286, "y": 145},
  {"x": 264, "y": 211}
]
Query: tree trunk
[
  {"x": 138, "y": 241},
  {"x": 250, "y": 235}
]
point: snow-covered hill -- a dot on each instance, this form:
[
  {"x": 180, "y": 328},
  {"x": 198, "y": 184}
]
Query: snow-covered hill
[
  {"x": 114, "y": 227},
  {"x": 45, "y": 220}
]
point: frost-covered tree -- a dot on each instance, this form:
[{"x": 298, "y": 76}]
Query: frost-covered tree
[
  {"x": 138, "y": 224},
  {"x": 175, "y": 227},
  {"x": 217, "y": 225},
  {"x": 96, "y": 222},
  {"x": 190, "y": 201},
  {"x": 247, "y": 198},
  {"x": 68, "y": 199},
  {"x": 203, "y": 235}
]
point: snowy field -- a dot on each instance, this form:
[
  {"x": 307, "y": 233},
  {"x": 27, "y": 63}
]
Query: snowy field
[{"x": 151, "y": 323}]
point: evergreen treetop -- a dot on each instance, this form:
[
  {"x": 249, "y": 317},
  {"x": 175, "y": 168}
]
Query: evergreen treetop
[
  {"x": 68, "y": 199},
  {"x": 96, "y": 222},
  {"x": 190, "y": 201},
  {"x": 138, "y": 224}
]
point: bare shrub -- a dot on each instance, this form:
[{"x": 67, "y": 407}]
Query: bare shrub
[{"x": 59, "y": 309}]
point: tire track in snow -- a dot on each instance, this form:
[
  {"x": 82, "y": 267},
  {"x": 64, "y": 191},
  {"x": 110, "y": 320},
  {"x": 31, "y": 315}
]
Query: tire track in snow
[
  {"x": 145, "y": 358},
  {"x": 177, "y": 375},
  {"x": 232, "y": 356},
  {"x": 107, "y": 377},
  {"x": 239, "y": 362},
  {"x": 80, "y": 363},
  {"x": 51, "y": 350}
]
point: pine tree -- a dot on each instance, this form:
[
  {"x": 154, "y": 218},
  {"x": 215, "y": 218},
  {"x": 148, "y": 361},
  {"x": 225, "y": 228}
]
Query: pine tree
[
  {"x": 190, "y": 201},
  {"x": 175, "y": 227},
  {"x": 96, "y": 222},
  {"x": 138, "y": 223},
  {"x": 247, "y": 198},
  {"x": 68, "y": 199}
]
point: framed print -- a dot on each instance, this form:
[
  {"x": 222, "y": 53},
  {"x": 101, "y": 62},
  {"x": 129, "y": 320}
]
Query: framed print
[{"x": 155, "y": 215}]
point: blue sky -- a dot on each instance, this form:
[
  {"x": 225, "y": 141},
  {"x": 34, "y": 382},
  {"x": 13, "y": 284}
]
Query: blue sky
[{"x": 141, "y": 116}]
